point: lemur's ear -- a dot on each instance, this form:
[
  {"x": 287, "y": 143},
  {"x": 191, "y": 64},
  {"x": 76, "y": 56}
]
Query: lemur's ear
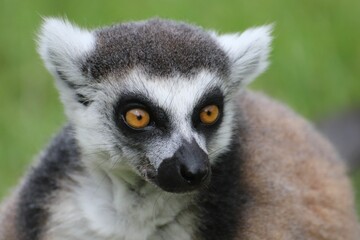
[
  {"x": 248, "y": 53},
  {"x": 63, "y": 46}
]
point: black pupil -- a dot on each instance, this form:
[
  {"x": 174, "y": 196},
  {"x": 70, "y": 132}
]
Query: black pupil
[
  {"x": 208, "y": 112},
  {"x": 139, "y": 117}
]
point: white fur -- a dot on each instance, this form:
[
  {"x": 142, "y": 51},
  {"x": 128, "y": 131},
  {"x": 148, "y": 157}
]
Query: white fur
[
  {"x": 62, "y": 46},
  {"x": 248, "y": 53},
  {"x": 102, "y": 207}
]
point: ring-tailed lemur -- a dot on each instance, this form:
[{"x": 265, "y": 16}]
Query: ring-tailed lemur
[{"x": 163, "y": 142}]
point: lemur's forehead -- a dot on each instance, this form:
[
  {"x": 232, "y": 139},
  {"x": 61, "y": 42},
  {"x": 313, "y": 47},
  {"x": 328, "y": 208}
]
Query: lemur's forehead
[
  {"x": 177, "y": 90},
  {"x": 178, "y": 95},
  {"x": 158, "y": 47}
]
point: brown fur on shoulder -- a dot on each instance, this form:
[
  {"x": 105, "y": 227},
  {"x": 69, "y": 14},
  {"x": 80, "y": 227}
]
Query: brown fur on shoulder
[{"x": 298, "y": 184}]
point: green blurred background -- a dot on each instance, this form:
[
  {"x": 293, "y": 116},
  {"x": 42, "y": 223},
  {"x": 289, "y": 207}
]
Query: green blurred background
[{"x": 315, "y": 62}]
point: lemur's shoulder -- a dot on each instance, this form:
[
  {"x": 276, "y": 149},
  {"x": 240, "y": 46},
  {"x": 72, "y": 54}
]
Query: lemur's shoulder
[{"x": 295, "y": 177}]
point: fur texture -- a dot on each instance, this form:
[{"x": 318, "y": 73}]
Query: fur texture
[
  {"x": 270, "y": 176},
  {"x": 158, "y": 47}
]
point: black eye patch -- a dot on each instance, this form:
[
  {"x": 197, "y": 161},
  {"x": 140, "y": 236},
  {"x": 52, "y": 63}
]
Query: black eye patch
[
  {"x": 159, "y": 121},
  {"x": 213, "y": 96}
]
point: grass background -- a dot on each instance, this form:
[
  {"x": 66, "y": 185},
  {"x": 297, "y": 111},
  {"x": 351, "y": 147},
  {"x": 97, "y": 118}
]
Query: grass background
[{"x": 315, "y": 62}]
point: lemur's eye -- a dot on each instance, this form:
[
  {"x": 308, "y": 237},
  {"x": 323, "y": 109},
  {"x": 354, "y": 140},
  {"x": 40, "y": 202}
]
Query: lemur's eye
[
  {"x": 137, "y": 118},
  {"x": 209, "y": 114}
]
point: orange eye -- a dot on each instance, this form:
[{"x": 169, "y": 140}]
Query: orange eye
[
  {"x": 137, "y": 118},
  {"x": 209, "y": 114}
]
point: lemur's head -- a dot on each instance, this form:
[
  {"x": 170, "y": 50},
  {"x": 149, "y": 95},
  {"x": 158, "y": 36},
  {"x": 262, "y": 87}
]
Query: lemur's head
[{"x": 152, "y": 97}]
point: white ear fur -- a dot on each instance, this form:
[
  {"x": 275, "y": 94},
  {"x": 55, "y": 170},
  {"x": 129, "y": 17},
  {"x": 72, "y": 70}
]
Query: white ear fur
[
  {"x": 62, "y": 45},
  {"x": 248, "y": 53}
]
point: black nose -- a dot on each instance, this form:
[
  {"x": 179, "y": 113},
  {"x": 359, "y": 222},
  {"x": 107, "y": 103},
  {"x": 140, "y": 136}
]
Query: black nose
[
  {"x": 187, "y": 170},
  {"x": 194, "y": 175}
]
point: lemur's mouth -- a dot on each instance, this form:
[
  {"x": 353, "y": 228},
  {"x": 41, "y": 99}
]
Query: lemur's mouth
[{"x": 147, "y": 170}]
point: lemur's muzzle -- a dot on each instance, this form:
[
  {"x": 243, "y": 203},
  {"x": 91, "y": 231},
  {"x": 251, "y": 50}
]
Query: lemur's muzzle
[{"x": 187, "y": 170}]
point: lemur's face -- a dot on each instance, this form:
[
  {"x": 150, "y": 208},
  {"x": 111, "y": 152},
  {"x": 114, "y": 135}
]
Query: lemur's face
[
  {"x": 154, "y": 98},
  {"x": 168, "y": 129}
]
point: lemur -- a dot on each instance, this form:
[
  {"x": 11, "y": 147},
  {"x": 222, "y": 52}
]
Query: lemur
[{"x": 163, "y": 141}]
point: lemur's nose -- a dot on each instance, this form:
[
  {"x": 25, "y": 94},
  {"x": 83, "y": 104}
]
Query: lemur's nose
[
  {"x": 194, "y": 174},
  {"x": 187, "y": 170}
]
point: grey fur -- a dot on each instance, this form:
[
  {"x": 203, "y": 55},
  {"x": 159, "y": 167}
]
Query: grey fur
[
  {"x": 159, "y": 47},
  {"x": 57, "y": 163}
]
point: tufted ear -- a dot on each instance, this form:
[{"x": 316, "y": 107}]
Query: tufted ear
[
  {"x": 248, "y": 53},
  {"x": 62, "y": 46}
]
